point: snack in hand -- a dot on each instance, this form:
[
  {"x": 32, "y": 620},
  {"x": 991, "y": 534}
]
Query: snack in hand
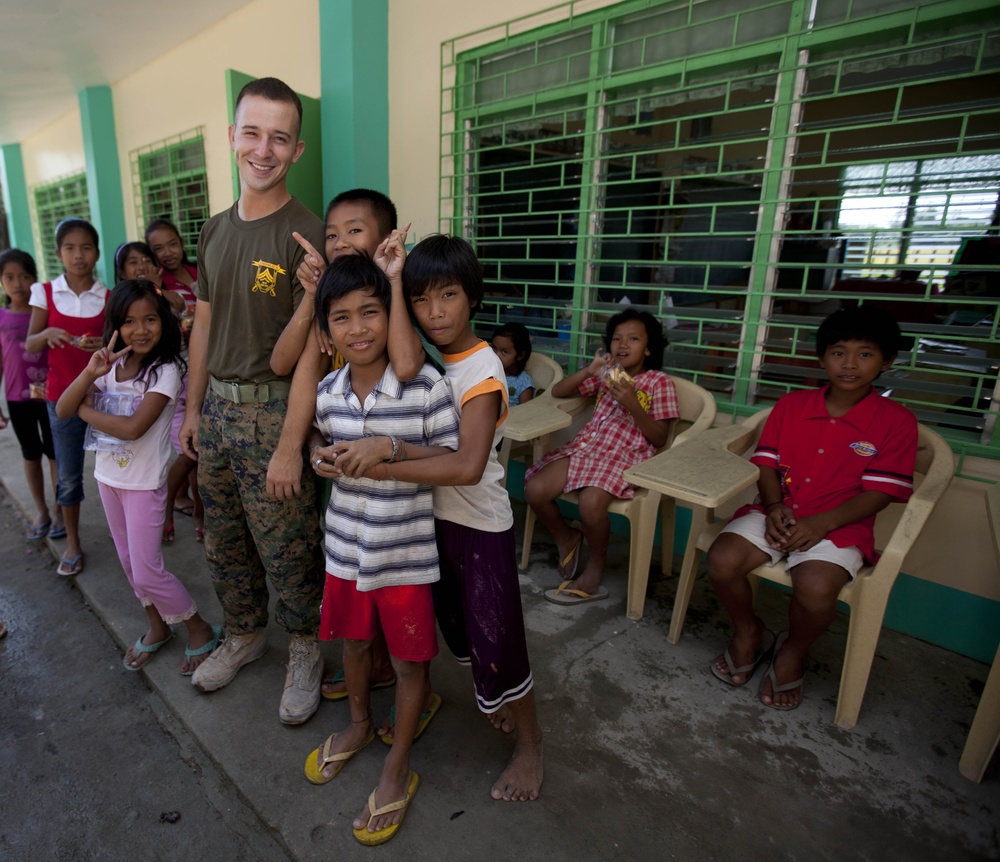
[{"x": 617, "y": 374}]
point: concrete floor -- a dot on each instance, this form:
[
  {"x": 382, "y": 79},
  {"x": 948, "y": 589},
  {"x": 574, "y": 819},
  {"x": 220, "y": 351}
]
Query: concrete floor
[{"x": 648, "y": 755}]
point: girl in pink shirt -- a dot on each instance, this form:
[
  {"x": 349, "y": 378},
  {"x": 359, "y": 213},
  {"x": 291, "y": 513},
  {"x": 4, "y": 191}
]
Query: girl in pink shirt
[{"x": 25, "y": 384}]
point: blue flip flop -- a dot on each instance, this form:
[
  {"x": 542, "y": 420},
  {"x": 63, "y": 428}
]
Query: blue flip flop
[
  {"x": 70, "y": 566},
  {"x": 205, "y": 648},
  {"x": 425, "y": 719},
  {"x": 58, "y": 532},
  {"x": 35, "y": 534},
  {"x": 141, "y": 647}
]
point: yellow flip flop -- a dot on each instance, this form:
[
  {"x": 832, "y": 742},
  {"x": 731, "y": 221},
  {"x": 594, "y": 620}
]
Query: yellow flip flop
[
  {"x": 318, "y": 759},
  {"x": 569, "y": 564},
  {"x": 371, "y": 839},
  {"x": 567, "y": 595}
]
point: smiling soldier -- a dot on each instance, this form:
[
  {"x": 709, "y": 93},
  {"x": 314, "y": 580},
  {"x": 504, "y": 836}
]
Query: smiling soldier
[{"x": 260, "y": 514}]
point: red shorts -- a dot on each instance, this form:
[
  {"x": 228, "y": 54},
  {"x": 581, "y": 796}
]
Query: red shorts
[{"x": 405, "y": 614}]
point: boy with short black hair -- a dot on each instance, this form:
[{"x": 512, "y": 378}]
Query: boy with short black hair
[
  {"x": 358, "y": 221},
  {"x": 830, "y": 459},
  {"x": 478, "y": 599},
  {"x": 381, "y": 558}
]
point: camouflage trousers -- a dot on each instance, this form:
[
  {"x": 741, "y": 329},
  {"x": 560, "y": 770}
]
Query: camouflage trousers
[{"x": 250, "y": 537}]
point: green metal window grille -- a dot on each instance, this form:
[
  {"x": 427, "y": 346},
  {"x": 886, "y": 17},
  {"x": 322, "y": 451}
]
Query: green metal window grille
[
  {"x": 169, "y": 181},
  {"x": 741, "y": 169},
  {"x": 55, "y": 201}
]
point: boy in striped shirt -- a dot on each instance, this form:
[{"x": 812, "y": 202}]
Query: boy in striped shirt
[
  {"x": 830, "y": 459},
  {"x": 381, "y": 556}
]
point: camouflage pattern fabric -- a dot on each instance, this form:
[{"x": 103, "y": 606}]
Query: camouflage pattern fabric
[{"x": 247, "y": 534}]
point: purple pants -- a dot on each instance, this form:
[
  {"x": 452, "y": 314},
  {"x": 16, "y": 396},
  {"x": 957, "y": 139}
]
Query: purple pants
[
  {"x": 136, "y": 522},
  {"x": 478, "y": 607}
]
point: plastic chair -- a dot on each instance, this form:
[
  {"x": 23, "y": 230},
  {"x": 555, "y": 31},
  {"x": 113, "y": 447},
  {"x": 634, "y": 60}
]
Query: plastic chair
[
  {"x": 868, "y": 594},
  {"x": 985, "y": 731},
  {"x": 697, "y": 412},
  {"x": 544, "y": 371}
]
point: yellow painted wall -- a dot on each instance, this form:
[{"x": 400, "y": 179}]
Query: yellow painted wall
[
  {"x": 185, "y": 88},
  {"x": 54, "y": 151}
]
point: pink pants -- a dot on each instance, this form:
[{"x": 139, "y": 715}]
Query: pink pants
[{"x": 136, "y": 522}]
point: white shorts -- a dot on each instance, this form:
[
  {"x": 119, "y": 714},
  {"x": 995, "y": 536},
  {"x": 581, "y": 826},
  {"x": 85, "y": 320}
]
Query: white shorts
[{"x": 751, "y": 527}]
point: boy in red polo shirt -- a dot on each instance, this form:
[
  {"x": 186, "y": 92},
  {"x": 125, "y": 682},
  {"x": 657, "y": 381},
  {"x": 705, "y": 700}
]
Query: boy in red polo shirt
[{"x": 830, "y": 459}]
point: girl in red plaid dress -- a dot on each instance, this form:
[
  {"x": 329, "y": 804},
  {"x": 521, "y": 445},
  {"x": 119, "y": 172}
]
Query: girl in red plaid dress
[{"x": 636, "y": 405}]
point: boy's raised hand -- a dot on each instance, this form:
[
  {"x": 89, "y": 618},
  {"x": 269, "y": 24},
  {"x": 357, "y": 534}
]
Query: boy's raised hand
[
  {"x": 391, "y": 252},
  {"x": 101, "y": 360},
  {"x": 312, "y": 266}
]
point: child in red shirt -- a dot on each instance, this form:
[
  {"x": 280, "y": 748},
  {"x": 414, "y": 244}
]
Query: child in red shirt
[{"x": 829, "y": 460}]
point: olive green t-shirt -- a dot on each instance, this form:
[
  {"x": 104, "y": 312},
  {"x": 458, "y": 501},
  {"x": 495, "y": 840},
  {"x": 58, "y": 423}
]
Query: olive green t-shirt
[{"x": 246, "y": 270}]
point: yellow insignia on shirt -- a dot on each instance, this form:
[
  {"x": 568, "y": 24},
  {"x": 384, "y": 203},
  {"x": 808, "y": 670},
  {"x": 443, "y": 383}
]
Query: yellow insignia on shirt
[{"x": 267, "y": 276}]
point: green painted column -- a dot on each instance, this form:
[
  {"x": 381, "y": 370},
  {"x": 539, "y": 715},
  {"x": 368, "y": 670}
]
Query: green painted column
[
  {"x": 354, "y": 79},
  {"x": 15, "y": 198},
  {"x": 104, "y": 179}
]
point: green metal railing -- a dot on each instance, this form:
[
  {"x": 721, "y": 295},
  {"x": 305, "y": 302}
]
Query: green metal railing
[
  {"x": 54, "y": 201},
  {"x": 169, "y": 181},
  {"x": 741, "y": 169}
]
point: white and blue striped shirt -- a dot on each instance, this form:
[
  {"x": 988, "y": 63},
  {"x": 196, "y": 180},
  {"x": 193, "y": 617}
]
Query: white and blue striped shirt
[{"x": 381, "y": 533}]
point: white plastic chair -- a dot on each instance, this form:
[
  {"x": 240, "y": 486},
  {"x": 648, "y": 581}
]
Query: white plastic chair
[
  {"x": 985, "y": 731},
  {"x": 868, "y": 594},
  {"x": 697, "y": 413},
  {"x": 545, "y": 372}
]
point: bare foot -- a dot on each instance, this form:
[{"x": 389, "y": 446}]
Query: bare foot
[
  {"x": 742, "y": 651},
  {"x": 521, "y": 781},
  {"x": 503, "y": 719},
  {"x": 788, "y": 667}
]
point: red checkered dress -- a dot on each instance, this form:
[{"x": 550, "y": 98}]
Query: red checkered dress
[{"x": 611, "y": 442}]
